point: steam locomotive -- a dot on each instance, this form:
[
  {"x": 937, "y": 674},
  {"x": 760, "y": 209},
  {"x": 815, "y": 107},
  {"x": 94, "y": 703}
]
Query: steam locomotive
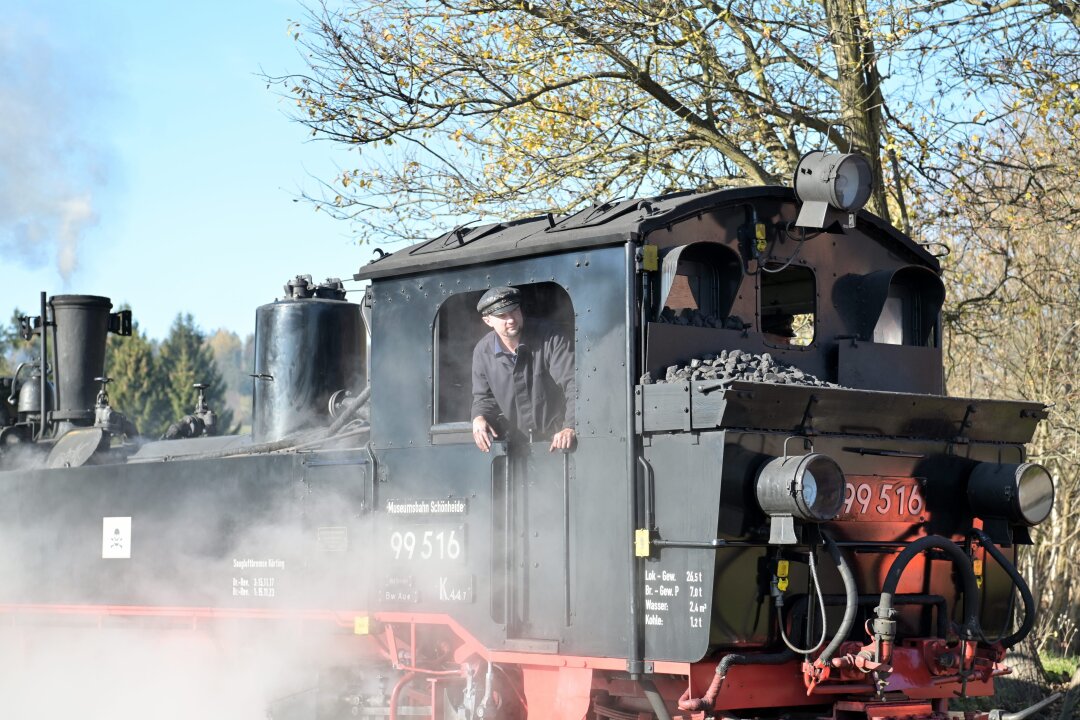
[{"x": 772, "y": 509}]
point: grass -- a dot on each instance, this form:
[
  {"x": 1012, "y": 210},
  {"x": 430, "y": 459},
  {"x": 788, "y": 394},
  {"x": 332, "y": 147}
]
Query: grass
[
  {"x": 1012, "y": 696},
  {"x": 1060, "y": 669}
]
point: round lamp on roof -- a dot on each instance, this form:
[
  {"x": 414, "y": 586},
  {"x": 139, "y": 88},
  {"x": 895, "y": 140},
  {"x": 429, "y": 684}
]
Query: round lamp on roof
[{"x": 823, "y": 180}]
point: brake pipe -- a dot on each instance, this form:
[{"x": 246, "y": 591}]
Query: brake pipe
[
  {"x": 706, "y": 701},
  {"x": 821, "y": 604},
  {"x": 1018, "y": 581},
  {"x": 851, "y": 604},
  {"x": 352, "y": 407},
  {"x": 395, "y": 695},
  {"x": 851, "y": 599},
  {"x": 884, "y": 627},
  {"x": 656, "y": 701}
]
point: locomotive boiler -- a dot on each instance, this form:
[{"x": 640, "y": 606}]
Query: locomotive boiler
[{"x": 772, "y": 509}]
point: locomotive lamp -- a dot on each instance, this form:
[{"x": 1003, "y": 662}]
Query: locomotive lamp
[
  {"x": 808, "y": 488},
  {"x": 823, "y": 180},
  {"x": 1010, "y": 498}
]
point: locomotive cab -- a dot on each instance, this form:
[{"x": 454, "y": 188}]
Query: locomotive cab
[{"x": 818, "y": 301}]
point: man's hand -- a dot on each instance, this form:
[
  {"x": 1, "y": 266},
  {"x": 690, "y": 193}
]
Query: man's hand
[
  {"x": 482, "y": 433},
  {"x": 563, "y": 440}
]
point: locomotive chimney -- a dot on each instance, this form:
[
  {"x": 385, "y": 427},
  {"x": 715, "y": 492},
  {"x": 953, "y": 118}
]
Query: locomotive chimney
[{"x": 81, "y": 323}]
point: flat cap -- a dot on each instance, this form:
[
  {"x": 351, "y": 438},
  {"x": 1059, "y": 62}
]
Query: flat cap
[{"x": 499, "y": 300}]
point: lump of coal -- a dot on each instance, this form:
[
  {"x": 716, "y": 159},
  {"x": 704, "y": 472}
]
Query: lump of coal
[
  {"x": 696, "y": 318},
  {"x": 733, "y": 365}
]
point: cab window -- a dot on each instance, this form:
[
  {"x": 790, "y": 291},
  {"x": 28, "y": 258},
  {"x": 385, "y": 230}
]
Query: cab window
[
  {"x": 699, "y": 282},
  {"x": 909, "y": 314},
  {"x": 458, "y": 328},
  {"x": 788, "y": 305}
]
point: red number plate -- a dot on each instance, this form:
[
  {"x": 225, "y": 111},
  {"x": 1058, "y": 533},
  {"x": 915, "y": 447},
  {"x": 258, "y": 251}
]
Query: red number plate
[{"x": 882, "y": 499}]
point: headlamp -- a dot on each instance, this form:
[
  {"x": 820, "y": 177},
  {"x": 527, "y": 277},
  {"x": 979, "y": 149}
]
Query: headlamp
[
  {"x": 823, "y": 180},
  {"x": 809, "y": 488},
  {"x": 1010, "y": 498}
]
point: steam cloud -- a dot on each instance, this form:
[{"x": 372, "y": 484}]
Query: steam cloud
[
  {"x": 50, "y": 164},
  {"x": 103, "y": 667}
]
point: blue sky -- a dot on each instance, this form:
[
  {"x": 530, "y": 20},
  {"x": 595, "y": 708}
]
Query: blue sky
[{"x": 142, "y": 158}]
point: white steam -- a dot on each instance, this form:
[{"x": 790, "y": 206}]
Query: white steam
[
  {"x": 133, "y": 674},
  {"x": 59, "y": 661},
  {"x": 50, "y": 162}
]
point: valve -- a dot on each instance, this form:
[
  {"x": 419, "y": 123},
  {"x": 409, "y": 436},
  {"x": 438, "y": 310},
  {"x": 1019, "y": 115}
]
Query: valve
[
  {"x": 883, "y": 630},
  {"x": 203, "y": 411},
  {"x": 300, "y": 287},
  {"x": 854, "y": 662},
  {"x": 104, "y": 417},
  {"x": 108, "y": 419},
  {"x": 103, "y": 393},
  {"x": 201, "y": 422}
]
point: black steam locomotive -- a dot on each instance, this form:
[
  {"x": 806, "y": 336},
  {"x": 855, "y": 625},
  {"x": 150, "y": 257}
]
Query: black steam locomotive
[{"x": 771, "y": 509}]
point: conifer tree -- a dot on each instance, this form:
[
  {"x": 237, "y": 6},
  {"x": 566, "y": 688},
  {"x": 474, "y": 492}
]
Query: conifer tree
[
  {"x": 138, "y": 386},
  {"x": 185, "y": 360},
  {"x": 228, "y": 351},
  {"x": 13, "y": 349}
]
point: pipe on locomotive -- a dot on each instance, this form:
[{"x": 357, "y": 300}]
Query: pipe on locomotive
[
  {"x": 796, "y": 614},
  {"x": 812, "y": 564},
  {"x": 884, "y": 626},
  {"x": 1021, "y": 585},
  {"x": 44, "y": 364},
  {"x": 634, "y": 663},
  {"x": 351, "y": 408},
  {"x": 851, "y": 599},
  {"x": 851, "y": 603}
]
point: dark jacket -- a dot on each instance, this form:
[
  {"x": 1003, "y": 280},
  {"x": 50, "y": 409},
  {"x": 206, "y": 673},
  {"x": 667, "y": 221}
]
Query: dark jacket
[{"x": 535, "y": 391}]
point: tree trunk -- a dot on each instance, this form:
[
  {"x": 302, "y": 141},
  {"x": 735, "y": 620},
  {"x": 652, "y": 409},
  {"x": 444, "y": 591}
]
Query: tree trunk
[{"x": 859, "y": 86}]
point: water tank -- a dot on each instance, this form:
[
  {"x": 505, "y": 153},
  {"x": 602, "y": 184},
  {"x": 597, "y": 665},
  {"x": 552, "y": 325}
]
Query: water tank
[{"x": 306, "y": 349}]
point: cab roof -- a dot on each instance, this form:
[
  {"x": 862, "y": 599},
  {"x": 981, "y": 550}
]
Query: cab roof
[{"x": 612, "y": 223}]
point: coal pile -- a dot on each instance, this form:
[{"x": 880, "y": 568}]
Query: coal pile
[
  {"x": 696, "y": 318},
  {"x": 731, "y": 365}
]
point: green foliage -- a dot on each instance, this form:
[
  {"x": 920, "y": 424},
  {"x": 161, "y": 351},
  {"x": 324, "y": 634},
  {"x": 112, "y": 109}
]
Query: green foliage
[
  {"x": 234, "y": 360},
  {"x": 228, "y": 352},
  {"x": 138, "y": 388},
  {"x": 152, "y": 383},
  {"x": 1060, "y": 669},
  {"x": 13, "y": 349},
  {"x": 499, "y": 108},
  {"x": 185, "y": 360}
]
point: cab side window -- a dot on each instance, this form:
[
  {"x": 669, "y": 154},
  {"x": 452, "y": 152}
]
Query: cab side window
[
  {"x": 890, "y": 324},
  {"x": 458, "y": 328},
  {"x": 909, "y": 314},
  {"x": 699, "y": 282},
  {"x": 788, "y": 305}
]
